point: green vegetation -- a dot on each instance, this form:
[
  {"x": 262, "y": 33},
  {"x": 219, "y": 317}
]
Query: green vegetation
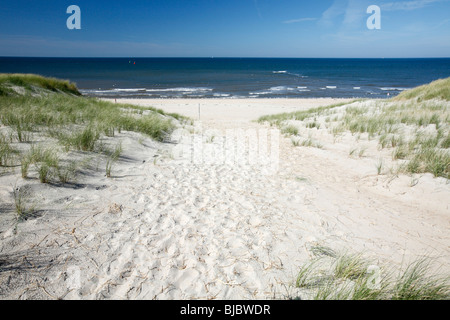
[
  {"x": 60, "y": 113},
  {"x": 7, "y": 153},
  {"x": 425, "y": 152},
  {"x": 379, "y": 166},
  {"x": 295, "y": 142},
  {"x": 113, "y": 157},
  {"x": 333, "y": 276},
  {"x": 51, "y": 110},
  {"x": 439, "y": 89},
  {"x": 311, "y": 143},
  {"x": 33, "y": 83},
  {"x": 22, "y": 207},
  {"x": 68, "y": 172},
  {"x": 290, "y": 130},
  {"x": 46, "y": 162},
  {"x": 415, "y": 125},
  {"x": 277, "y": 119}
]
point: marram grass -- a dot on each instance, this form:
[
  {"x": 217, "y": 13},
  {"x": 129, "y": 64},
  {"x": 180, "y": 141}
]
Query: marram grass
[
  {"x": 333, "y": 276},
  {"x": 53, "y": 110},
  {"x": 439, "y": 89},
  {"x": 31, "y": 112},
  {"x": 423, "y": 113},
  {"x": 32, "y": 82}
]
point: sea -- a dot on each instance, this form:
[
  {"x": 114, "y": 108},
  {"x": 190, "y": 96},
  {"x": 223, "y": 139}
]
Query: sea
[{"x": 233, "y": 78}]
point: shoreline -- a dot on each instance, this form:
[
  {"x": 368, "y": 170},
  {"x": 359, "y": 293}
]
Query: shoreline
[{"x": 222, "y": 109}]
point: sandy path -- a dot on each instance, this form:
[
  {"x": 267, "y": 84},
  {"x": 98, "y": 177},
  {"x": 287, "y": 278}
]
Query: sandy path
[{"x": 202, "y": 231}]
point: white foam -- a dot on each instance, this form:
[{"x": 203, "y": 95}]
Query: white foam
[
  {"x": 199, "y": 89},
  {"x": 297, "y": 75},
  {"x": 279, "y": 88},
  {"x": 260, "y": 93},
  {"x": 331, "y": 87},
  {"x": 282, "y": 71},
  {"x": 356, "y": 88},
  {"x": 94, "y": 91},
  {"x": 129, "y": 90},
  {"x": 394, "y": 89}
]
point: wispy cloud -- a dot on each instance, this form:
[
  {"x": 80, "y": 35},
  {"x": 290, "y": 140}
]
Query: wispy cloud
[
  {"x": 257, "y": 9},
  {"x": 335, "y": 10},
  {"x": 299, "y": 20},
  {"x": 345, "y": 14},
  {"x": 355, "y": 13},
  {"x": 408, "y": 5}
]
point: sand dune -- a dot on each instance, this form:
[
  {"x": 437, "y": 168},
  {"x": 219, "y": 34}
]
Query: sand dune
[{"x": 162, "y": 228}]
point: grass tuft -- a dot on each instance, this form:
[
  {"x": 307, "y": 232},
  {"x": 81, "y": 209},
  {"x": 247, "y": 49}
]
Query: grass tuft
[
  {"x": 290, "y": 130},
  {"x": 417, "y": 283},
  {"x": 113, "y": 157},
  {"x": 7, "y": 153},
  {"x": 352, "y": 277},
  {"x": 21, "y": 203}
]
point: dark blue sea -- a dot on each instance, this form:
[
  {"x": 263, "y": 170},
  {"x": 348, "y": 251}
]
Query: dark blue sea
[{"x": 235, "y": 77}]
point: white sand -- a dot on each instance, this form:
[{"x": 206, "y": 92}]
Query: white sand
[
  {"x": 231, "y": 109},
  {"x": 165, "y": 229}
]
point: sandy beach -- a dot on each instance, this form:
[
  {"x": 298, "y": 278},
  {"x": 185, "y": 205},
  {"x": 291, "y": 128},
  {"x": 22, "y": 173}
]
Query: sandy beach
[
  {"x": 231, "y": 109},
  {"x": 161, "y": 228}
]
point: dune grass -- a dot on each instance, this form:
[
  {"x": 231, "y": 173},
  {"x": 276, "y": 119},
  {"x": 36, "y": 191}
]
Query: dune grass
[
  {"x": 290, "y": 130},
  {"x": 112, "y": 158},
  {"x": 29, "y": 113},
  {"x": 415, "y": 125},
  {"x": 31, "y": 82},
  {"x": 67, "y": 173},
  {"x": 7, "y": 152},
  {"x": 58, "y": 112},
  {"x": 278, "y": 119},
  {"x": 46, "y": 162},
  {"x": 344, "y": 276},
  {"x": 439, "y": 89},
  {"x": 83, "y": 139},
  {"x": 22, "y": 204},
  {"x": 53, "y": 110},
  {"x": 426, "y": 150}
]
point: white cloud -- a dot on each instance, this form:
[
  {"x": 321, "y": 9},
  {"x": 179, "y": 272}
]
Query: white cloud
[
  {"x": 348, "y": 14},
  {"x": 408, "y": 5},
  {"x": 257, "y": 9},
  {"x": 337, "y": 9},
  {"x": 355, "y": 13}
]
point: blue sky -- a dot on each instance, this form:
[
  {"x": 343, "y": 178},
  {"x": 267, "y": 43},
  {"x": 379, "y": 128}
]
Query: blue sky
[{"x": 225, "y": 28}]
